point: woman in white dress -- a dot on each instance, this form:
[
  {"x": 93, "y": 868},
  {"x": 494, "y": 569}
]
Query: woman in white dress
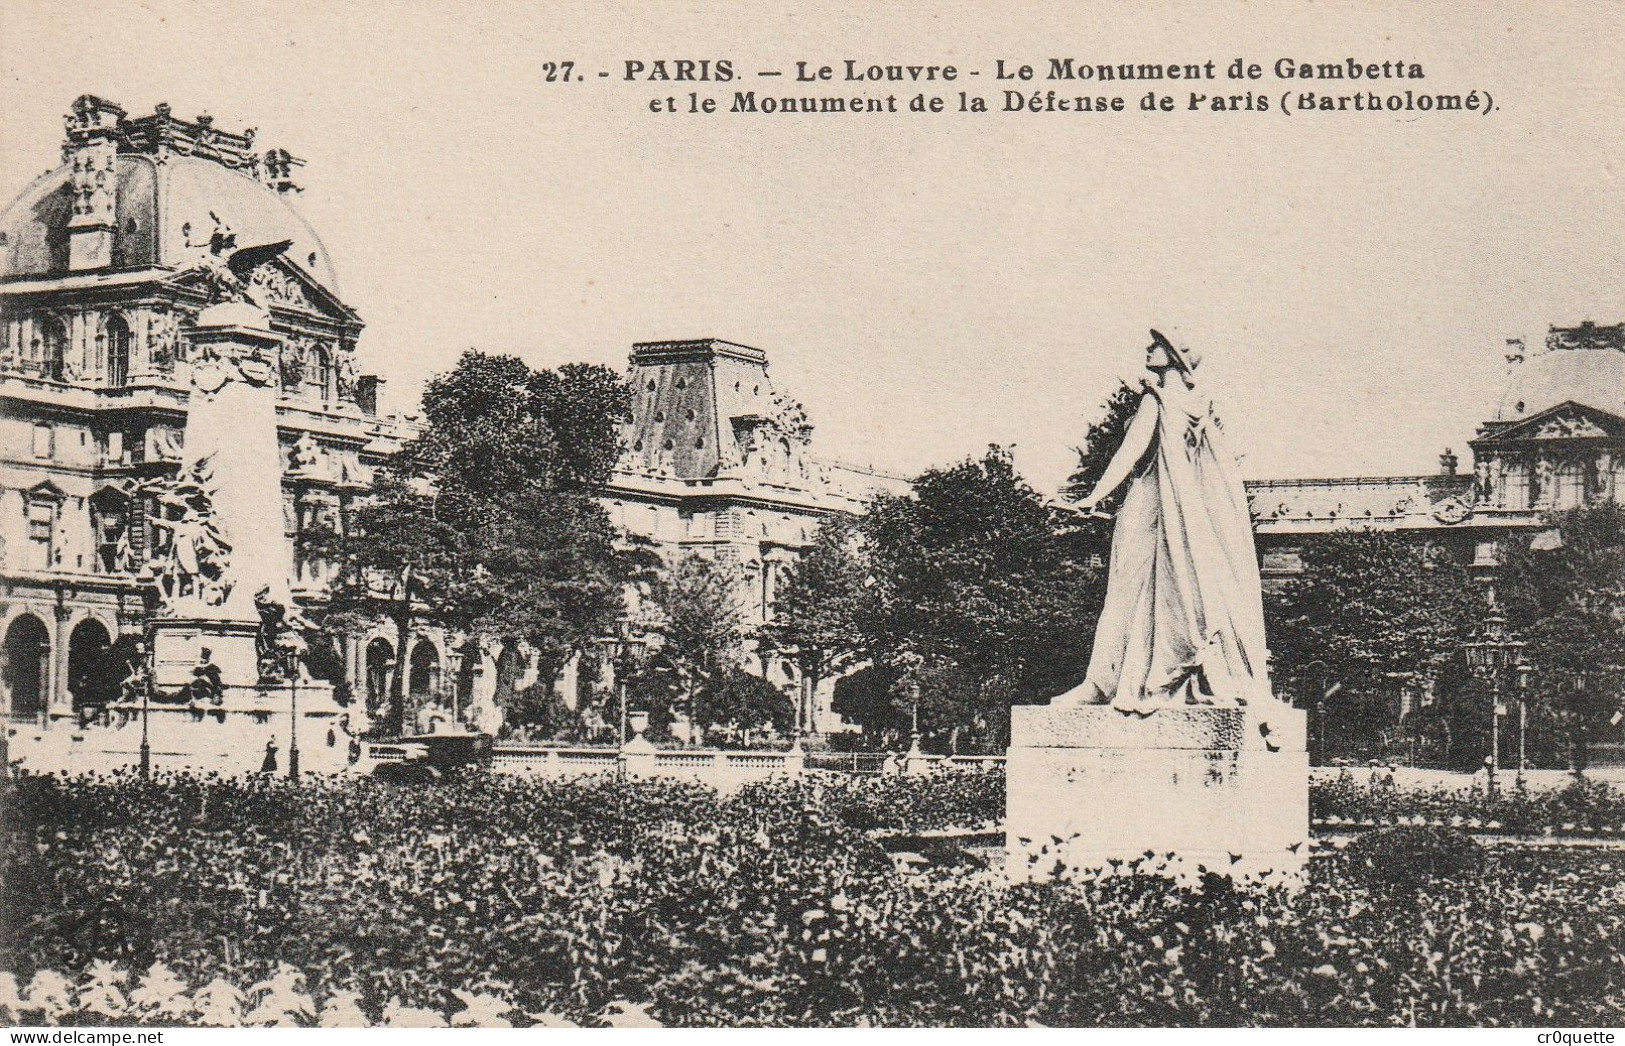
[{"x": 1184, "y": 616}]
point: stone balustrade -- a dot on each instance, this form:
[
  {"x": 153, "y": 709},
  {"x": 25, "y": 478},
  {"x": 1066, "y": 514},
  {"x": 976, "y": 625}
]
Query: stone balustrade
[{"x": 720, "y": 768}]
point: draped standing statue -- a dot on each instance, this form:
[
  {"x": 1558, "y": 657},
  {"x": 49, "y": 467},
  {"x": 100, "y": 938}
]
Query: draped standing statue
[{"x": 1184, "y": 618}]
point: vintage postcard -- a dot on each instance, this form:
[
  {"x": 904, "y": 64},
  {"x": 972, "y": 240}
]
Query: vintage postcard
[{"x": 778, "y": 515}]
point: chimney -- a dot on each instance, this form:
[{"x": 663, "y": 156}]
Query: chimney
[
  {"x": 94, "y": 126},
  {"x": 1448, "y": 462},
  {"x": 367, "y": 388}
]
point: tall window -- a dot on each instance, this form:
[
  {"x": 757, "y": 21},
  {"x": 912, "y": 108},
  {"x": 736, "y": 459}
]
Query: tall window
[
  {"x": 51, "y": 347},
  {"x": 116, "y": 351},
  {"x": 319, "y": 371},
  {"x": 41, "y": 531},
  {"x": 1570, "y": 486},
  {"x": 1516, "y": 480}
]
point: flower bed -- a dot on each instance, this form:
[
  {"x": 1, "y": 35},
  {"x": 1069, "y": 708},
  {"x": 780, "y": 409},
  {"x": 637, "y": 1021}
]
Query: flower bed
[
  {"x": 586, "y": 899},
  {"x": 943, "y": 800},
  {"x": 1583, "y": 808}
]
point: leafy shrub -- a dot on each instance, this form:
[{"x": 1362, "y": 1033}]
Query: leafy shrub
[
  {"x": 1588, "y": 802},
  {"x": 601, "y": 899},
  {"x": 1583, "y": 803},
  {"x": 1408, "y": 858}
]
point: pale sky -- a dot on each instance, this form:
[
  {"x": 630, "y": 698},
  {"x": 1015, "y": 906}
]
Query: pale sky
[{"x": 925, "y": 284}]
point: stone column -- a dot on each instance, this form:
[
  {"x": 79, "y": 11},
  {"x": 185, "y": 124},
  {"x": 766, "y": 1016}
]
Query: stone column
[
  {"x": 569, "y": 681},
  {"x": 60, "y": 702},
  {"x": 231, "y": 420}
]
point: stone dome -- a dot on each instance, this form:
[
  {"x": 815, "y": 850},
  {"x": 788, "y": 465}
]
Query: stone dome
[
  {"x": 1594, "y": 377},
  {"x": 161, "y": 204}
]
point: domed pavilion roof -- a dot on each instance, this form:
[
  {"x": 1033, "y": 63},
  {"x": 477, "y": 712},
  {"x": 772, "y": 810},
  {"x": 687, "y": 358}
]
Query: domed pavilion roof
[
  {"x": 173, "y": 178},
  {"x": 1584, "y": 364}
]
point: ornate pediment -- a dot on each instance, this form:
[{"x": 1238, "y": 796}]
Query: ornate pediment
[
  {"x": 1566, "y": 421},
  {"x": 1570, "y": 426},
  {"x": 279, "y": 286},
  {"x": 277, "y": 283},
  {"x": 45, "y": 491}
]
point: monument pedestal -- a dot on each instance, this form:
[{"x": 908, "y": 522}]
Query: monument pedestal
[
  {"x": 1091, "y": 790},
  {"x": 178, "y": 644},
  {"x": 230, "y": 736}
]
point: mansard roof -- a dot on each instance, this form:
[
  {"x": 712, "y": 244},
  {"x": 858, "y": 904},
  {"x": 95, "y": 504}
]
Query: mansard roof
[{"x": 1584, "y": 364}]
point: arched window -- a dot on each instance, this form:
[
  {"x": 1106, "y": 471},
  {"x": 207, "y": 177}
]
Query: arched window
[
  {"x": 319, "y": 371},
  {"x": 92, "y": 679},
  {"x": 50, "y": 347},
  {"x": 380, "y": 662},
  {"x": 1570, "y": 486},
  {"x": 26, "y": 666},
  {"x": 424, "y": 678},
  {"x": 116, "y": 351}
]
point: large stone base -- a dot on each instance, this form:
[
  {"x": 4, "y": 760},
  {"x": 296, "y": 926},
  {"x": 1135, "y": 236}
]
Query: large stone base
[
  {"x": 229, "y": 735},
  {"x": 1093, "y": 791},
  {"x": 229, "y": 739},
  {"x": 178, "y": 644}
]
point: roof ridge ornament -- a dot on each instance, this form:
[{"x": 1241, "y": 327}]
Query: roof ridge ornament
[{"x": 1588, "y": 335}]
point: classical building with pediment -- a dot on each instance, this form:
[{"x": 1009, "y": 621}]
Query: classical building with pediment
[
  {"x": 105, "y": 261},
  {"x": 1556, "y": 441}
]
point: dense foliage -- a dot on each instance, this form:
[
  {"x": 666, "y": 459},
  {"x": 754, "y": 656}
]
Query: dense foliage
[
  {"x": 487, "y": 523},
  {"x": 573, "y": 899},
  {"x": 1583, "y": 807},
  {"x": 1411, "y": 857},
  {"x": 1568, "y": 604},
  {"x": 695, "y": 668},
  {"x": 1373, "y": 615},
  {"x": 975, "y": 604},
  {"x": 819, "y": 609}
]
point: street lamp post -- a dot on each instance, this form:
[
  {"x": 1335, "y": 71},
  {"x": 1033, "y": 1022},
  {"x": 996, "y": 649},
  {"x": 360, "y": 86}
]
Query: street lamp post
[
  {"x": 914, "y": 721},
  {"x": 1490, "y": 657},
  {"x": 621, "y": 649},
  {"x": 1524, "y": 670},
  {"x": 141, "y": 676},
  {"x": 1316, "y": 670},
  {"x": 293, "y": 716},
  {"x": 146, "y": 748}
]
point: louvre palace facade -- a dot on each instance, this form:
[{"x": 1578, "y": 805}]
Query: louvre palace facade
[{"x": 99, "y": 286}]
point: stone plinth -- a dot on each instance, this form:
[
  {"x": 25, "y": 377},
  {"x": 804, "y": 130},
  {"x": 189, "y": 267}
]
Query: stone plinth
[
  {"x": 178, "y": 644},
  {"x": 229, "y": 737},
  {"x": 1224, "y": 790}
]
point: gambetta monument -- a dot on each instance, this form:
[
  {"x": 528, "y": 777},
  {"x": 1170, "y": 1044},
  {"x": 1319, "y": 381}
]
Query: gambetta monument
[
  {"x": 1173, "y": 756},
  {"x": 226, "y": 643}
]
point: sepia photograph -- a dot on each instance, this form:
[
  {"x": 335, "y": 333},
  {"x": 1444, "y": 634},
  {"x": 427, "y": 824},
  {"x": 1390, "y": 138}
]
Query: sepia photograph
[{"x": 806, "y": 515}]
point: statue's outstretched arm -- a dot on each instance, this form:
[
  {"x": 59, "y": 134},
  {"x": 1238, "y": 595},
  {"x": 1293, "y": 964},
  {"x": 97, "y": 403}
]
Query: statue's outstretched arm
[{"x": 1137, "y": 441}]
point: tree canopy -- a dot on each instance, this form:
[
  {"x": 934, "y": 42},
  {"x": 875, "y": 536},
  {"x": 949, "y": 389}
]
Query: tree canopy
[
  {"x": 1373, "y": 614},
  {"x": 817, "y": 618},
  {"x": 1566, "y": 600},
  {"x": 487, "y": 522},
  {"x": 976, "y": 601}
]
